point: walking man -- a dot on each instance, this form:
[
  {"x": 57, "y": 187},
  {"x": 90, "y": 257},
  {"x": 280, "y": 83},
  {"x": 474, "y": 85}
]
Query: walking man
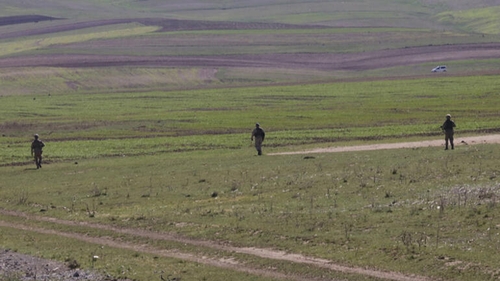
[
  {"x": 258, "y": 134},
  {"x": 36, "y": 150},
  {"x": 447, "y": 128}
]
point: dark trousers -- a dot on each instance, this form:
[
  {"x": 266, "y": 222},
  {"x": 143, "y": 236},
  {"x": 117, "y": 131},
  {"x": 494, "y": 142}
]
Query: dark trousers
[
  {"x": 38, "y": 159},
  {"x": 448, "y": 137},
  {"x": 258, "y": 144}
]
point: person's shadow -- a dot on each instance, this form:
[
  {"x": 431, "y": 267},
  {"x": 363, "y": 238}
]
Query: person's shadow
[{"x": 31, "y": 169}]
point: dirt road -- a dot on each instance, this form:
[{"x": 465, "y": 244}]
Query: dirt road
[
  {"x": 458, "y": 142},
  {"x": 226, "y": 262}
]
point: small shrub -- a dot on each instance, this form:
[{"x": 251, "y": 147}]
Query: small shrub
[{"x": 72, "y": 263}]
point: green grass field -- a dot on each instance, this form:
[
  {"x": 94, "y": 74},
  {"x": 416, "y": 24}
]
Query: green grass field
[
  {"x": 159, "y": 122},
  {"x": 416, "y": 211},
  {"x": 153, "y": 160},
  {"x": 152, "y": 169}
]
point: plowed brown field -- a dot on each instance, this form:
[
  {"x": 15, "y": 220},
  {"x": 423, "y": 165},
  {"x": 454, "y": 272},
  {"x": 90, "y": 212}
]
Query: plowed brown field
[{"x": 318, "y": 61}]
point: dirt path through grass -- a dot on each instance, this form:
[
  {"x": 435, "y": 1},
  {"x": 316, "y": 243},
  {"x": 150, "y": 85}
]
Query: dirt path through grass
[
  {"x": 227, "y": 263},
  {"x": 487, "y": 139}
]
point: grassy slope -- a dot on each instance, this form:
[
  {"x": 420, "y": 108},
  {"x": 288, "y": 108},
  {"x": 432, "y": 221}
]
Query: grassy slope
[
  {"x": 375, "y": 209},
  {"x": 425, "y": 29},
  {"x": 120, "y": 31},
  {"x": 348, "y": 207},
  {"x": 481, "y": 20},
  {"x": 211, "y": 119},
  {"x": 333, "y": 13},
  {"x": 364, "y": 13}
]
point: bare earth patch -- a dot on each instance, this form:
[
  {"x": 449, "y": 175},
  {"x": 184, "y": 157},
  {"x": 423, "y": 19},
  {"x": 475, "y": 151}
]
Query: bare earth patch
[{"x": 489, "y": 139}]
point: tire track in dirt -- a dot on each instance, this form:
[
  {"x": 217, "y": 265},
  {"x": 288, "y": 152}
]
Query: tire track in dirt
[
  {"x": 487, "y": 139},
  {"x": 222, "y": 263},
  {"x": 148, "y": 250}
]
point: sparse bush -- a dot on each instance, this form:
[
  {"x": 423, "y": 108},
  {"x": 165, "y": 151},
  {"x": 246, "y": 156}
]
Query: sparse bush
[{"x": 72, "y": 263}]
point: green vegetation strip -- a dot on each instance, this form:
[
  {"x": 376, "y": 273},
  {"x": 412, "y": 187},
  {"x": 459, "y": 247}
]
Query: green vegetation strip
[
  {"x": 78, "y": 127},
  {"x": 482, "y": 20},
  {"x": 299, "y": 31},
  {"x": 120, "y": 31}
]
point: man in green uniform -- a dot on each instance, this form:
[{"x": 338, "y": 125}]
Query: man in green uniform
[
  {"x": 36, "y": 150},
  {"x": 258, "y": 134},
  {"x": 448, "y": 129}
]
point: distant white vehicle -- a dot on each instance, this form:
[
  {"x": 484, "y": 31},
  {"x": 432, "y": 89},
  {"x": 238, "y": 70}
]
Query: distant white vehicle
[{"x": 439, "y": 68}]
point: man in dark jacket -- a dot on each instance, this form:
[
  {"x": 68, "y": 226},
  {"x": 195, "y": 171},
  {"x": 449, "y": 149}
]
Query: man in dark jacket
[
  {"x": 258, "y": 134},
  {"x": 36, "y": 150},
  {"x": 448, "y": 129}
]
